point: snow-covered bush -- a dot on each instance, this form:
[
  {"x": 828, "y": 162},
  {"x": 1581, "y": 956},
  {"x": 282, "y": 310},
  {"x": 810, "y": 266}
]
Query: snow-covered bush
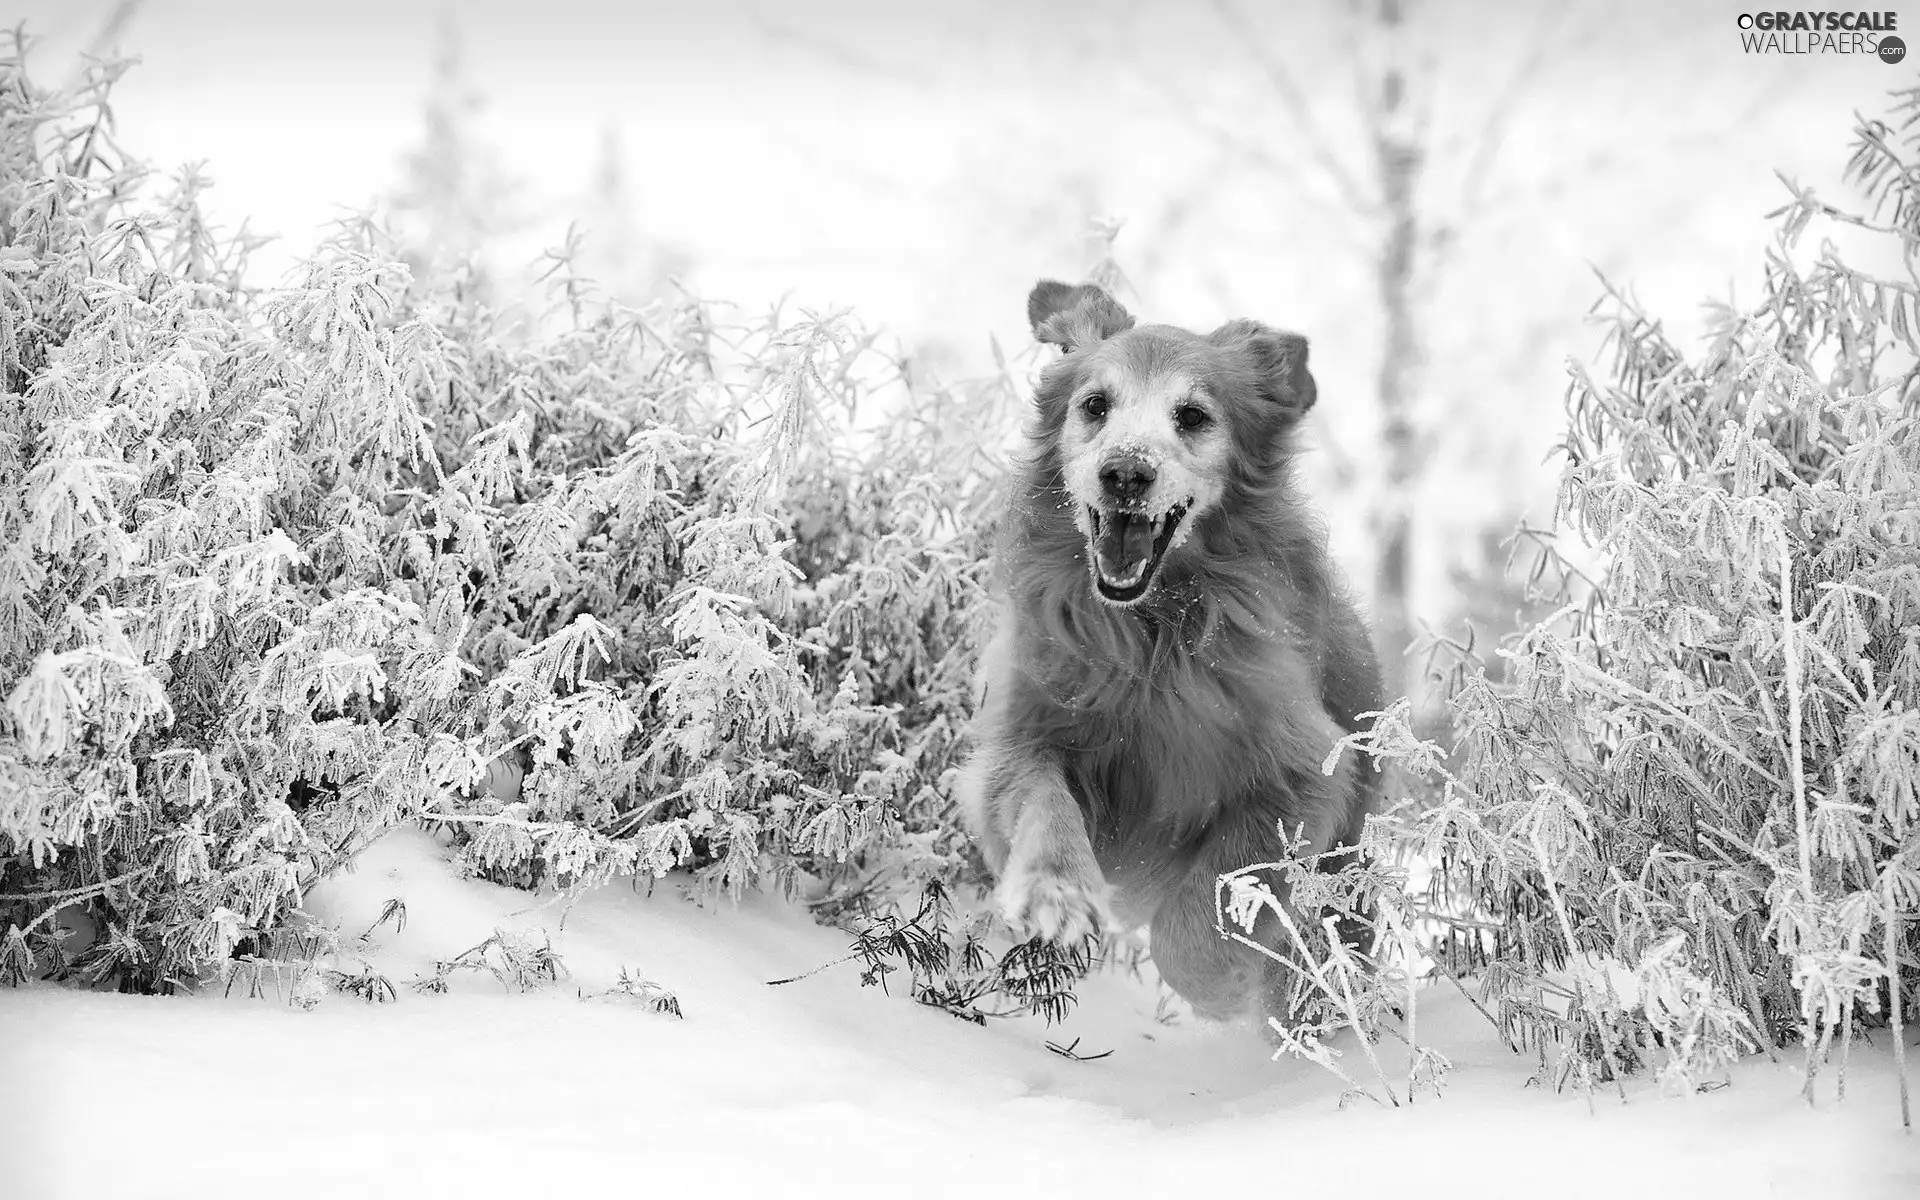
[
  {"x": 596, "y": 590},
  {"x": 1685, "y": 826}
]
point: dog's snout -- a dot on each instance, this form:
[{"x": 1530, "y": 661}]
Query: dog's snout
[{"x": 1127, "y": 478}]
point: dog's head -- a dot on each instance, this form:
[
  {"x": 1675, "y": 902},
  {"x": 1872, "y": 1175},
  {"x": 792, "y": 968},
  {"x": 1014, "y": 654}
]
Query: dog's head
[{"x": 1158, "y": 430}]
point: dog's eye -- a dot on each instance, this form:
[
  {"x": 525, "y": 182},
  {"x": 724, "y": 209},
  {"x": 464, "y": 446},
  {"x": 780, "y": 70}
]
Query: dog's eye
[
  {"x": 1095, "y": 406},
  {"x": 1191, "y": 417}
]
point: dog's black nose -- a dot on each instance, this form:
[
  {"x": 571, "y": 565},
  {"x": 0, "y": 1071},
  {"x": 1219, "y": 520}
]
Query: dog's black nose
[{"x": 1127, "y": 479}]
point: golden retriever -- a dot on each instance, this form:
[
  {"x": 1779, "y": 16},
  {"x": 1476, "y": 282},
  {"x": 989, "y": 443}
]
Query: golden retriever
[{"x": 1175, "y": 657}]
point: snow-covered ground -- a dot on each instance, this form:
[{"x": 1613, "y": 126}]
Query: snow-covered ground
[{"x": 819, "y": 1087}]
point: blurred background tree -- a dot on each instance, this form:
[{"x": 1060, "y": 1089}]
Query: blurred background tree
[
  {"x": 618, "y": 252},
  {"x": 456, "y": 200},
  {"x": 1382, "y": 130}
]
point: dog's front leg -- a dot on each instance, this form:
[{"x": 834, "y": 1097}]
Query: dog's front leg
[
  {"x": 1051, "y": 886},
  {"x": 1035, "y": 840}
]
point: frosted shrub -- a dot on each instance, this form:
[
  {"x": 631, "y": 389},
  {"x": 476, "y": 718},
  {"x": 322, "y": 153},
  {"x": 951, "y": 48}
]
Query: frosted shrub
[
  {"x": 1685, "y": 827},
  {"x": 592, "y": 590}
]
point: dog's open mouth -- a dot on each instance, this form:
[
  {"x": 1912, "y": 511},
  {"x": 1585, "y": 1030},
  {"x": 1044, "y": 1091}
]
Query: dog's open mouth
[{"x": 1127, "y": 548}]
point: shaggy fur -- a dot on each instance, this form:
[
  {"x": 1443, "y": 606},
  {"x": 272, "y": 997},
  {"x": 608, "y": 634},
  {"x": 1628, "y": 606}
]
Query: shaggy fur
[{"x": 1130, "y": 749}]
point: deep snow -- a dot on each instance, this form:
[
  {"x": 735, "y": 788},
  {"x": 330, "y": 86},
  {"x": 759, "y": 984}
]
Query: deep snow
[{"x": 820, "y": 1086}]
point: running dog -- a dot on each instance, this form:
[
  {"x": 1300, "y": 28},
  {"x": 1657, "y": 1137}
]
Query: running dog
[{"x": 1175, "y": 657}]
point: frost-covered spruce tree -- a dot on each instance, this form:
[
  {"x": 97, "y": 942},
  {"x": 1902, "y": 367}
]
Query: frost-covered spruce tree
[
  {"x": 1688, "y": 826},
  {"x": 590, "y": 589}
]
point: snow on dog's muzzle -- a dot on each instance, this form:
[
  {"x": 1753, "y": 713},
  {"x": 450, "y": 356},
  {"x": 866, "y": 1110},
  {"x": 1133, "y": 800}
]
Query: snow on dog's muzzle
[{"x": 1127, "y": 548}]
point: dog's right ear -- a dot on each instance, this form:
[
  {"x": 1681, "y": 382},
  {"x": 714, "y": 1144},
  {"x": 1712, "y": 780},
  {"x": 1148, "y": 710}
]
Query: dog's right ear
[{"x": 1074, "y": 318}]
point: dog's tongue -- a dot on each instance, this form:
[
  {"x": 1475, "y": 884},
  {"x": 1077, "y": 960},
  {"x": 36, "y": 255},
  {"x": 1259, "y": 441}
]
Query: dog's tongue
[{"x": 1126, "y": 542}]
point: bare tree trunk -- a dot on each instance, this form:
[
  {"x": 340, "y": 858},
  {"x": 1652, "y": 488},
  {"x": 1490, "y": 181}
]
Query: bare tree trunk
[{"x": 1397, "y": 164}]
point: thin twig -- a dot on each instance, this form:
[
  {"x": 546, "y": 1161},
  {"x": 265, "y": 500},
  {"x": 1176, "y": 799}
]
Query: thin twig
[
  {"x": 809, "y": 974},
  {"x": 1899, "y": 1032},
  {"x": 1069, "y": 1051},
  {"x": 1343, "y": 997},
  {"x": 1573, "y": 949},
  {"x": 1743, "y": 972},
  {"x": 69, "y": 895},
  {"x": 1311, "y": 969},
  {"x": 1478, "y": 1007},
  {"x": 1408, "y": 952},
  {"x": 1597, "y": 676},
  {"x": 1793, "y": 716}
]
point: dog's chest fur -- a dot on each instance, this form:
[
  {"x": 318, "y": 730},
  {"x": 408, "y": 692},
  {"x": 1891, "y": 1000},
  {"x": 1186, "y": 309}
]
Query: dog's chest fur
[{"x": 1154, "y": 761}]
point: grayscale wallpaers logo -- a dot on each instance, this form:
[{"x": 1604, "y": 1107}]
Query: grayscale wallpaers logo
[{"x": 1868, "y": 34}]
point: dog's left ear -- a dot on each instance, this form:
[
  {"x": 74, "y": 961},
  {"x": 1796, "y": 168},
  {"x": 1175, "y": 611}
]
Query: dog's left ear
[
  {"x": 1074, "y": 318},
  {"x": 1279, "y": 362}
]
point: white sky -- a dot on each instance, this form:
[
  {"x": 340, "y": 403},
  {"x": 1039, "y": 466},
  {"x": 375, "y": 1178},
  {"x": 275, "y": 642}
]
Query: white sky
[{"x": 862, "y": 147}]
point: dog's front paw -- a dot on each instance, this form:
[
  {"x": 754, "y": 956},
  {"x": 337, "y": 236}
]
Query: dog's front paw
[{"x": 1056, "y": 907}]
